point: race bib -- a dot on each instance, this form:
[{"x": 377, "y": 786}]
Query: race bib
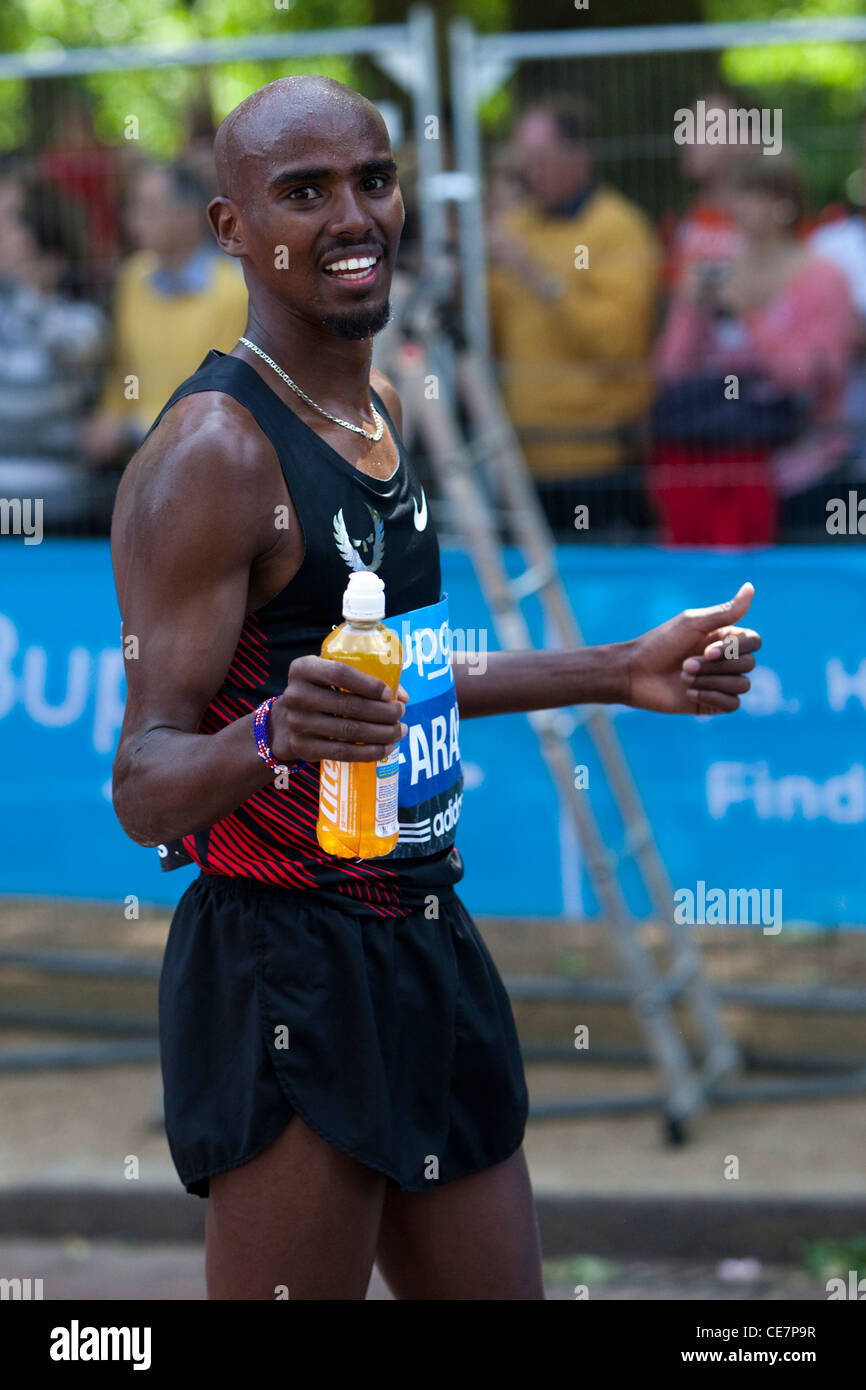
[{"x": 431, "y": 775}]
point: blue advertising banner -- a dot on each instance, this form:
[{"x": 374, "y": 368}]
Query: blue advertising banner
[{"x": 771, "y": 799}]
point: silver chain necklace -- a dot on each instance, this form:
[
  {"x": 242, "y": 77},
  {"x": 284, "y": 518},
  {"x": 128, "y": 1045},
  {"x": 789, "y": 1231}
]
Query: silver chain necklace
[{"x": 356, "y": 429}]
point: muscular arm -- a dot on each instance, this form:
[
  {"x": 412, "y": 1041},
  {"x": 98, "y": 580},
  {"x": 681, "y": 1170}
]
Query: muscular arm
[{"x": 188, "y": 524}]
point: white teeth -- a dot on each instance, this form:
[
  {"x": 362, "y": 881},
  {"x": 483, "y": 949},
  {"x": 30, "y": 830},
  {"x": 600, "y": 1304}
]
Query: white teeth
[{"x": 362, "y": 263}]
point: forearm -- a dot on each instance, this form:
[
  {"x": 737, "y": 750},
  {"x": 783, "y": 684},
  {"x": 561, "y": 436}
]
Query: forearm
[
  {"x": 168, "y": 783},
  {"x": 514, "y": 682}
]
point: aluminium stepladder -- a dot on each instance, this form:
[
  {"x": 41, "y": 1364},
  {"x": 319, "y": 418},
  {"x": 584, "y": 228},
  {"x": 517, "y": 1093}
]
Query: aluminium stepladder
[{"x": 456, "y": 442}]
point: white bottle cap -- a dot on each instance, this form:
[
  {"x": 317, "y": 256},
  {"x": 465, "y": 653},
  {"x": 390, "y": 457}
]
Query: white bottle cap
[{"x": 364, "y": 598}]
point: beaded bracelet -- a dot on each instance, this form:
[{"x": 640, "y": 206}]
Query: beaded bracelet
[{"x": 260, "y": 734}]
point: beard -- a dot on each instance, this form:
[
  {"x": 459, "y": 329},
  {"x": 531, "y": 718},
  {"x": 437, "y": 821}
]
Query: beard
[{"x": 362, "y": 323}]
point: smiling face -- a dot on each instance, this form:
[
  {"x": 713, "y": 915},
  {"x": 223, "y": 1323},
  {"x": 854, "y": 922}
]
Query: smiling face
[{"x": 311, "y": 202}]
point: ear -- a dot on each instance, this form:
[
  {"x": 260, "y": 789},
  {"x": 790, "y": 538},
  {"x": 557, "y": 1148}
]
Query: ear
[{"x": 224, "y": 219}]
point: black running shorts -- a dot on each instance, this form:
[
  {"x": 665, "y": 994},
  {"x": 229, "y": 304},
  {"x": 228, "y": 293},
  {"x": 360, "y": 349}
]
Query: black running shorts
[{"x": 393, "y": 1039}]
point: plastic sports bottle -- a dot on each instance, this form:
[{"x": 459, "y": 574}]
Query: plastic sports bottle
[{"x": 358, "y": 801}]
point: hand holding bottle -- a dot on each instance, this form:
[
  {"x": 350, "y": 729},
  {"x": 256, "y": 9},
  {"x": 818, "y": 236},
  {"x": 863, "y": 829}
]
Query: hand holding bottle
[{"x": 358, "y": 721}]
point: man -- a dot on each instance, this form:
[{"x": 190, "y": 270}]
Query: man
[
  {"x": 573, "y": 287},
  {"x": 342, "y": 1073},
  {"x": 176, "y": 298}
]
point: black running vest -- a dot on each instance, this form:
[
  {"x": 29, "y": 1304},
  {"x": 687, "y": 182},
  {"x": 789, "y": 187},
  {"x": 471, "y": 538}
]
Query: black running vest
[{"x": 349, "y": 521}]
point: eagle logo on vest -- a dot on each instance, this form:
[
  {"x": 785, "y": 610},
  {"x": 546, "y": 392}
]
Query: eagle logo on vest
[{"x": 357, "y": 553}]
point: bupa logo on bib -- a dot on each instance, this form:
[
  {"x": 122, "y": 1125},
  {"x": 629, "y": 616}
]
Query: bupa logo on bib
[{"x": 431, "y": 775}]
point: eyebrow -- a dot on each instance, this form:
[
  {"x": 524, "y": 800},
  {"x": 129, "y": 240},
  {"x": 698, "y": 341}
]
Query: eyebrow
[{"x": 369, "y": 166}]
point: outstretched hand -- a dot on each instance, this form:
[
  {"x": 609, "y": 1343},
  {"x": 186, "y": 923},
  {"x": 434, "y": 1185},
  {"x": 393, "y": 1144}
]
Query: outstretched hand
[{"x": 695, "y": 663}]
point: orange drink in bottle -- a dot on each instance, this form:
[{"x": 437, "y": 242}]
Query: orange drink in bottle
[{"x": 358, "y": 801}]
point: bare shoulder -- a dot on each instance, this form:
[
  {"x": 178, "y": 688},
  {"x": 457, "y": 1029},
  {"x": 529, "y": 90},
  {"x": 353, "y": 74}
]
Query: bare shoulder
[
  {"x": 388, "y": 391},
  {"x": 206, "y": 428},
  {"x": 202, "y": 482},
  {"x": 206, "y": 453}
]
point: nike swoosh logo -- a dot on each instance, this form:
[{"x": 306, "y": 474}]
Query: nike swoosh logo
[{"x": 420, "y": 516}]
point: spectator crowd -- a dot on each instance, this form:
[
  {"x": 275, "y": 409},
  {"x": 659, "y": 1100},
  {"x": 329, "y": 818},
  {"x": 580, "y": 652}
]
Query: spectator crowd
[
  {"x": 112, "y": 291},
  {"x": 701, "y": 381}
]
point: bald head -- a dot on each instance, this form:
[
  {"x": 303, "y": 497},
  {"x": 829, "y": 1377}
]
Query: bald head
[
  {"x": 287, "y": 108},
  {"x": 310, "y": 203}
]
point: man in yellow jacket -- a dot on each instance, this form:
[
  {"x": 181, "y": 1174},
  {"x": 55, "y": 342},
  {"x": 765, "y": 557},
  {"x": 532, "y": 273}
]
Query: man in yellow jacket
[
  {"x": 177, "y": 296},
  {"x": 573, "y": 285}
]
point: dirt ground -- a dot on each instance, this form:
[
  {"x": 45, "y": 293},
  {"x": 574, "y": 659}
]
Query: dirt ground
[
  {"x": 79, "y": 1126},
  {"x": 79, "y": 1269}
]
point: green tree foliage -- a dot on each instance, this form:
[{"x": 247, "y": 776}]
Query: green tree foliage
[
  {"x": 160, "y": 98},
  {"x": 819, "y": 87}
]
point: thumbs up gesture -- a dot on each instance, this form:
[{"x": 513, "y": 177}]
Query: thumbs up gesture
[{"x": 695, "y": 663}]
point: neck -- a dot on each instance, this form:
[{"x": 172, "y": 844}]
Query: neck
[
  {"x": 569, "y": 197},
  {"x": 334, "y": 371}
]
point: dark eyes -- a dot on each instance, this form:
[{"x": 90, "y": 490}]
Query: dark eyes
[{"x": 374, "y": 183}]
